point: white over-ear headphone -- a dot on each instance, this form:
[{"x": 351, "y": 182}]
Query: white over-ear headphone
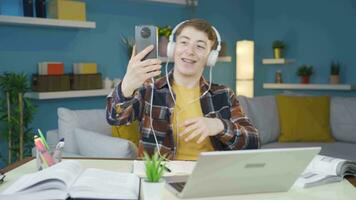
[{"x": 213, "y": 56}]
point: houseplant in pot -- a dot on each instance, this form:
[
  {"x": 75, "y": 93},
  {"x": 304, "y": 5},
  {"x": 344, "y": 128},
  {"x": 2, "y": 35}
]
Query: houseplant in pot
[
  {"x": 278, "y": 47},
  {"x": 335, "y": 73},
  {"x": 16, "y": 115},
  {"x": 164, "y": 33},
  {"x": 304, "y": 72},
  {"x": 153, "y": 184}
]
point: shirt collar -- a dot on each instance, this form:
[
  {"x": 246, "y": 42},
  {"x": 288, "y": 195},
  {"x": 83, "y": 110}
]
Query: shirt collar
[{"x": 162, "y": 82}]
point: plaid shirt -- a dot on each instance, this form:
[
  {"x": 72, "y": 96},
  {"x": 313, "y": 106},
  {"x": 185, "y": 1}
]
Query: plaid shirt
[{"x": 220, "y": 102}]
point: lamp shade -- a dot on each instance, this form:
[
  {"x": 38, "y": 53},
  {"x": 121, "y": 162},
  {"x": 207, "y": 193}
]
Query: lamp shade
[
  {"x": 245, "y": 88},
  {"x": 244, "y": 59},
  {"x": 244, "y": 67}
]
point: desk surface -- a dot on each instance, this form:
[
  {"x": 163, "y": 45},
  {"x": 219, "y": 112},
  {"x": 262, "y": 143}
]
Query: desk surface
[{"x": 343, "y": 190}]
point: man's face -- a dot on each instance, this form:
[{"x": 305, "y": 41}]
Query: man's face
[{"x": 191, "y": 51}]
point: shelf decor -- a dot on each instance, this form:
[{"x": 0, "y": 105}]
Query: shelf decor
[
  {"x": 335, "y": 72},
  {"x": 278, "y": 47},
  {"x": 304, "y": 72}
]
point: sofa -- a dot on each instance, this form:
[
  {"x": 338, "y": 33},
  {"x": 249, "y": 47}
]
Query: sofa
[
  {"x": 263, "y": 112},
  {"x": 87, "y": 134}
]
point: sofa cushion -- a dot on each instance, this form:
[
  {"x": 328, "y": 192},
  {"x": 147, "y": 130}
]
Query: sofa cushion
[
  {"x": 68, "y": 120},
  {"x": 342, "y": 150},
  {"x": 304, "y": 119},
  {"x": 263, "y": 114},
  {"x": 94, "y": 144},
  {"x": 343, "y": 118}
]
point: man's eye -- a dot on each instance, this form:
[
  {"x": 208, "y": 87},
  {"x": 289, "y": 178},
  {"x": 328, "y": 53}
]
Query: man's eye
[
  {"x": 183, "y": 42},
  {"x": 201, "y": 47}
]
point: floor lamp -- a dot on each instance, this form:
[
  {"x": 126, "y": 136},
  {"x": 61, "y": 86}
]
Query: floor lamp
[{"x": 244, "y": 67}]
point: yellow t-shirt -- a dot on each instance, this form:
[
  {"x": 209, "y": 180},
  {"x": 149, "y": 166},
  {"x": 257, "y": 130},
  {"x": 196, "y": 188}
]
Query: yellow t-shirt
[{"x": 186, "y": 109}]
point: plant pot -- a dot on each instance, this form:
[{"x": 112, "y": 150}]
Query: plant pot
[
  {"x": 334, "y": 79},
  {"x": 153, "y": 190},
  {"x": 304, "y": 79},
  {"x": 278, "y": 53},
  {"x": 162, "y": 46}
]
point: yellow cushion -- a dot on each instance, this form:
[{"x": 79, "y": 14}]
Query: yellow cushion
[
  {"x": 304, "y": 118},
  {"x": 128, "y": 132}
]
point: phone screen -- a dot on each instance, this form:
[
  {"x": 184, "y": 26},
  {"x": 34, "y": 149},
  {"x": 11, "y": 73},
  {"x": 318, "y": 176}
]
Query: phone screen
[{"x": 146, "y": 35}]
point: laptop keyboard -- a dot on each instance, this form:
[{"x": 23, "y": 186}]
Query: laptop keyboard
[{"x": 178, "y": 186}]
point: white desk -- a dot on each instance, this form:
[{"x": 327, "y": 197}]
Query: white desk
[{"x": 340, "y": 191}]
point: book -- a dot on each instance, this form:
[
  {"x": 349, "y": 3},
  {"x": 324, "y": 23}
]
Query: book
[
  {"x": 85, "y": 68},
  {"x": 50, "y": 68},
  {"x": 28, "y": 8},
  {"x": 41, "y": 8},
  {"x": 174, "y": 168},
  {"x": 69, "y": 179},
  {"x": 325, "y": 169}
]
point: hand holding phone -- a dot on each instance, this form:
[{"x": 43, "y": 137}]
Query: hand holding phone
[
  {"x": 145, "y": 64},
  {"x": 146, "y": 35}
]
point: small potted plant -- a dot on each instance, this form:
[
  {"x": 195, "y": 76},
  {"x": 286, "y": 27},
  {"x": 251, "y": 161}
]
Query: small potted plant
[
  {"x": 278, "y": 46},
  {"x": 335, "y": 73},
  {"x": 153, "y": 184},
  {"x": 304, "y": 72},
  {"x": 163, "y": 33}
]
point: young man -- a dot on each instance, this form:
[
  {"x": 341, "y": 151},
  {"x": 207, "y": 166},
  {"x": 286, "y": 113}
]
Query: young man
[{"x": 184, "y": 124}]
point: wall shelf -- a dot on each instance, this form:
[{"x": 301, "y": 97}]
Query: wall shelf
[
  {"x": 280, "y": 61},
  {"x": 68, "y": 94},
  {"x": 309, "y": 86},
  {"x": 179, "y": 2},
  {"x": 220, "y": 59},
  {"x": 34, "y": 21}
]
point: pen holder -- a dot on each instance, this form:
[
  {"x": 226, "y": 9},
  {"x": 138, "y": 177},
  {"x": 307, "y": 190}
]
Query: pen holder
[{"x": 47, "y": 158}]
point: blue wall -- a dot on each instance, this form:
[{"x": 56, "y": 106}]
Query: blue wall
[
  {"x": 316, "y": 32},
  {"x": 21, "y": 48}
]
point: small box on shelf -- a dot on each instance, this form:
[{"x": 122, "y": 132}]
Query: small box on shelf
[
  {"x": 66, "y": 10},
  {"x": 48, "y": 83},
  {"x": 86, "y": 81}
]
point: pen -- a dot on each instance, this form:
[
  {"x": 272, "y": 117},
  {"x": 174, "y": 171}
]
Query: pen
[
  {"x": 57, "y": 152},
  {"x": 43, "y": 139},
  {"x": 166, "y": 168},
  {"x": 2, "y": 177}
]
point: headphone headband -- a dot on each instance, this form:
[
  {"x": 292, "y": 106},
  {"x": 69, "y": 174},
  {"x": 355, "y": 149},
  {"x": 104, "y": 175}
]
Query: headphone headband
[{"x": 218, "y": 38}]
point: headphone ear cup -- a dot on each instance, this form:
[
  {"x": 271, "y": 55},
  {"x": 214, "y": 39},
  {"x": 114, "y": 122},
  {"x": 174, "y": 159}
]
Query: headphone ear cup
[
  {"x": 213, "y": 57},
  {"x": 170, "y": 49}
]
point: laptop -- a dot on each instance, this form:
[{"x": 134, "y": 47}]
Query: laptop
[{"x": 221, "y": 173}]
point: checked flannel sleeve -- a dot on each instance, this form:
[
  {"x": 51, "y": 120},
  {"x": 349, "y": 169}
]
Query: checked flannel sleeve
[
  {"x": 121, "y": 110},
  {"x": 238, "y": 133}
]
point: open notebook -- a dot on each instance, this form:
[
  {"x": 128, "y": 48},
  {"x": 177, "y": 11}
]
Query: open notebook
[{"x": 69, "y": 179}]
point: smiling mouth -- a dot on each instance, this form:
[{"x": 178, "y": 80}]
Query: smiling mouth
[{"x": 190, "y": 61}]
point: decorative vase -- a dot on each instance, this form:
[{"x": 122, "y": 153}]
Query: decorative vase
[
  {"x": 278, "y": 53},
  {"x": 304, "y": 79},
  {"x": 153, "y": 190},
  {"x": 162, "y": 46},
  {"x": 334, "y": 79}
]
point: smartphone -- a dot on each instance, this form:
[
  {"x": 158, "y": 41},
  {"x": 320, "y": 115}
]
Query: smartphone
[{"x": 146, "y": 35}]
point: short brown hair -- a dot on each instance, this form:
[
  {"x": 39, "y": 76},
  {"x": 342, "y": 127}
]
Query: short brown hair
[{"x": 201, "y": 25}]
